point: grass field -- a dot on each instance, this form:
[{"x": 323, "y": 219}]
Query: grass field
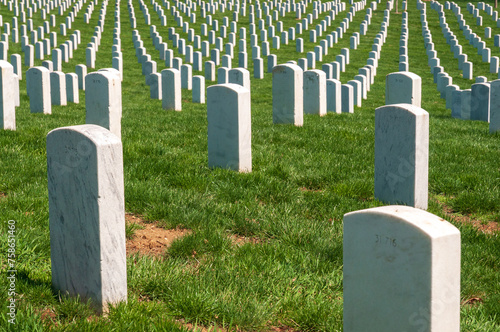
[{"x": 285, "y": 271}]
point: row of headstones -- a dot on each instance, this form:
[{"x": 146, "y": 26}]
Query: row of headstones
[
  {"x": 116, "y": 54},
  {"x": 45, "y": 28},
  {"x": 57, "y": 91},
  {"x": 45, "y": 88},
  {"x": 473, "y": 39},
  {"x": 38, "y": 48},
  {"x": 360, "y": 84},
  {"x": 284, "y": 8},
  {"x": 28, "y": 8},
  {"x": 149, "y": 66},
  {"x": 481, "y": 102},
  {"x": 167, "y": 85},
  {"x": 255, "y": 48},
  {"x": 433, "y": 59},
  {"x": 196, "y": 58},
  {"x": 404, "y": 64},
  {"x": 380, "y": 262},
  {"x": 468, "y": 104},
  {"x": 19, "y": 12},
  {"x": 487, "y": 8}
]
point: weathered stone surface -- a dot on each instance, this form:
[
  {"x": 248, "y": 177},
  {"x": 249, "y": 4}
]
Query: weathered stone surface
[
  {"x": 87, "y": 214},
  {"x": 229, "y": 127},
  {"x": 7, "y": 98},
  {"x": 314, "y": 87},
  {"x": 38, "y": 89},
  {"x": 403, "y": 87},
  {"x": 402, "y": 155},
  {"x": 171, "y": 89},
  {"x": 103, "y": 100},
  {"x": 288, "y": 95},
  {"x": 393, "y": 254}
]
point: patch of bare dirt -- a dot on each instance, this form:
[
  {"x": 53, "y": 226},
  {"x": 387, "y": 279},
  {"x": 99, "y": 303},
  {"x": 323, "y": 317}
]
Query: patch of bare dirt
[
  {"x": 240, "y": 240},
  {"x": 283, "y": 329},
  {"x": 197, "y": 328},
  {"x": 490, "y": 227},
  {"x": 472, "y": 301},
  {"x": 48, "y": 317},
  {"x": 3, "y": 195},
  {"x": 151, "y": 239}
]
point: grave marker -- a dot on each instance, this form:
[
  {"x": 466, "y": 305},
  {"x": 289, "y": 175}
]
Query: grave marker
[
  {"x": 171, "y": 89},
  {"x": 87, "y": 214},
  {"x": 402, "y": 155},
  {"x": 229, "y": 127},
  {"x": 58, "y": 88},
  {"x": 7, "y": 94},
  {"x": 403, "y": 87},
  {"x": 396, "y": 253},
  {"x": 288, "y": 95},
  {"x": 314, "y": 87},
  {"x": 38, "y": 89},
  {"x": 103, "y": 100}
]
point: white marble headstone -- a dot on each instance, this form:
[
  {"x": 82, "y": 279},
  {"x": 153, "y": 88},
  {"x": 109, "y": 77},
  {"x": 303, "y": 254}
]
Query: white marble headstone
[
  {"x": 103, "y": 100},
  {"x": 402, "y": 155},
  {"x": 38, "y": 89},
  {"x": 401, "y": 271},
  {"x": 288, "y": 95},
  {"x": 229, "y": 127},
  {"x": 7, "y": 100},
  {"x": 495, "y": 106},
  {"x": 87, "y": 214},
  {"x": 314, "y": 92},
  {"x": 403, "y": 87},
  {"x": 171, "y": 89}
]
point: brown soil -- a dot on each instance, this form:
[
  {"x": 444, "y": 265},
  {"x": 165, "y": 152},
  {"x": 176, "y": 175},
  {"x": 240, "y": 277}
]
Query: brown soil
[
  {"x": 472, "y": 301},
  {"x": 151, "y": 239},
  {"x": 239, "y": 240},
  {"x": 488, "y": 227},
  {"x": 201, "y": 328},
  {"x": 49, "y": 317}
]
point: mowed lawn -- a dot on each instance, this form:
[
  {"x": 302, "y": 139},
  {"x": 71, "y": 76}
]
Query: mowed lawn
[{"x": 260, "y": 251}]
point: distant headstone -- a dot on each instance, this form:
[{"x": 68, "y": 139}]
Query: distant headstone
[
  {"x": 38, "y": 89},
  {"x": 466, "y": 103},
  {"x": 7, "y": 100},
  {"x": 495, "y": 107},
  {"x": 314, "y": 92},
  {"x": 58, "y": 88},
  {"x": 456, "y": 103},
  {"x": 199, "y": 89},
  {"x": 239, "y": 76},
  {"x": 288, "y": 95},
  {"x": 402, "y": 155},
  {"x": 396, "y": 253},
  {"x": 171, "y": 89},
  {"x": 103, "y": 100},
  {"x": 154, "y": 82},
  {"x": 87, "y": 214},
  {"x": 347, "y": 98},
  {"x": 403, "y": 87},
  {"x": 81, "y": 72},
  {"x": 72, "y": 88},
  {"x": 229, "y": 127},
  {"x": 334, "y": 96},
  {"x": 480, "y": 102}
]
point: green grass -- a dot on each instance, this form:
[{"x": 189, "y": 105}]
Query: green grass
[{"x": 292, "y": 205}]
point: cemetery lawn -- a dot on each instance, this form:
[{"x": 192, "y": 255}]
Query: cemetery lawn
[{"x": 263, "y": 250}]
